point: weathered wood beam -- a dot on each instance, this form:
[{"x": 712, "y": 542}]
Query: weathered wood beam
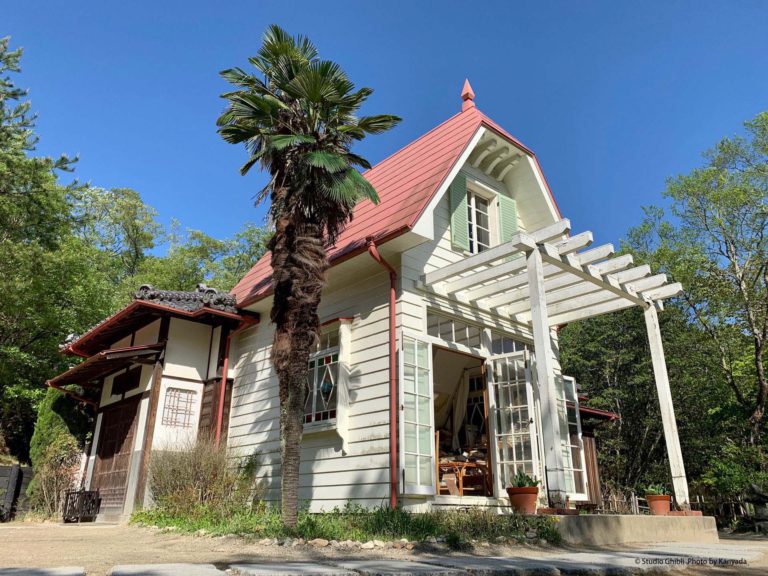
[
  {"x": 614, "y": 264},
  {"x": 494, "y": 158},
  {"x": 585, "y": 313},
  {"x": 545, "y": 378},
  {"x": 553, "y": 231},
  {"x": 518, "y": 242},
  {"x": 648, "y": 282},
  {"x": 663, "y": 292},
  {"x": 481, "y": 151},
  {"x": 632, "y": 274},
  {"x": 668, "y": 421},
  {"x": 506, "y": 168},
  {"x": 575, "y": 264},
  {"x": 563, "y": 288},
  {"x": 473, "y": 282},
  {"x": 574, "y": 243}
]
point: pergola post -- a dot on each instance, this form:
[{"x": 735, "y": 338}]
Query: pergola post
[
  {"x": 545, "y": 379},
  {"x": 679, "y": 481}
]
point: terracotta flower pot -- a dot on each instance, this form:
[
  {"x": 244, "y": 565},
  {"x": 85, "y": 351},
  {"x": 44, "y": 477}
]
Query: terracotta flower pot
[
  {"x": 659, "y": 504},
  {"x": 523, "y": 500}
]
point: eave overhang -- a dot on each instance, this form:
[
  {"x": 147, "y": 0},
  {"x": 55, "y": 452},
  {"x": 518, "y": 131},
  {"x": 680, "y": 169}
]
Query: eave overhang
[
  {"x": 92, "y": 371},
  {"x": 135, "y": 315}
]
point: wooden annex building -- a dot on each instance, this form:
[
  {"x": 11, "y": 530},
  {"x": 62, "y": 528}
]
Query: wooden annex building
[{"x": 436, "y": 376}]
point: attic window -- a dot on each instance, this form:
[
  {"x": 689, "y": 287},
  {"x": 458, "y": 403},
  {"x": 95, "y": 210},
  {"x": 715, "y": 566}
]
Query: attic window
[{"x": 478, "y": 222}]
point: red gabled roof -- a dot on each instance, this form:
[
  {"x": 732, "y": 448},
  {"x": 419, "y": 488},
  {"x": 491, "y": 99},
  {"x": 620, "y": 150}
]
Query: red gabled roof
[{"x": 405, "y": 181}]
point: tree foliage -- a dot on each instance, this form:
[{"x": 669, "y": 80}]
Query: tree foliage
[
  {"x": 713, "y": 240},
  {"x": 71, "y": 255}
]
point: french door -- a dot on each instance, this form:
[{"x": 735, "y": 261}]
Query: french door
[
  {"x": 514, "y": 418},
  {"x": 417, "y": 443}
]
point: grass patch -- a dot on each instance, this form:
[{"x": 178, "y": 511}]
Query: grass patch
[{"x": 356, "y": 523}]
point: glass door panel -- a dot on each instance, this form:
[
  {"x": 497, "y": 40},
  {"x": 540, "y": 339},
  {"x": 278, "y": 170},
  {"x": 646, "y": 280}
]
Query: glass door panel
[
  {"x": 417, "y": 459},
  {"x": 513, "y": 417}
]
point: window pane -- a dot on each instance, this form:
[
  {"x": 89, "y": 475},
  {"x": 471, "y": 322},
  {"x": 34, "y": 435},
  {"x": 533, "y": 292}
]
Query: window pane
[
  {"x": 410, "y": 438},
  {"x": 409, "y": 408},
  {"x": 425, "y": 470},
  {"x": 425, "y": 440},
  {"x": 409, "y": 348},
  {"x": 409, "y": 379},
  {"x": 423, "y": 387},
  {"x": 422, "y": 354},
  {"x": 410, "y": 469}
]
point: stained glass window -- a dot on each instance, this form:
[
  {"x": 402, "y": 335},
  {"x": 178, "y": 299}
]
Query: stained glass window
[{"x": 322, "y": 381}]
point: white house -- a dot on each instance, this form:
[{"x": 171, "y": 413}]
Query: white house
[{"x": 437, "y": 374}]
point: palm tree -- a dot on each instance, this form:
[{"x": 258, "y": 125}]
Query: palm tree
[{"x": 296, "y": 118}]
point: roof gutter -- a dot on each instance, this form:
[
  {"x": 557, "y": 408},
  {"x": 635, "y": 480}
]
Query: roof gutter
[
  {"x": 393, "y": 467},
  {"x": 246, "y": 322}
]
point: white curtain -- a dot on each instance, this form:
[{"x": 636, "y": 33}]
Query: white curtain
[{"x": 459, "y": 408}]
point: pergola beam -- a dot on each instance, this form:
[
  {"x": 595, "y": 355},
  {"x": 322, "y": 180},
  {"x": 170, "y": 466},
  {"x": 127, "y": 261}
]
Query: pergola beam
[
  {"x": 521, "y": 242},
  {"x": 575, "y": 266},
  {"x": 590, "y": 312}
]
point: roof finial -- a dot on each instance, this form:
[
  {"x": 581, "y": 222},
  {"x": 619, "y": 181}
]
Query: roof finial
[{"x": 467, "y": 96}]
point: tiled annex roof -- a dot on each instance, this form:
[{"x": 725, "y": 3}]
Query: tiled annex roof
[{"x": 405, "y": 183}]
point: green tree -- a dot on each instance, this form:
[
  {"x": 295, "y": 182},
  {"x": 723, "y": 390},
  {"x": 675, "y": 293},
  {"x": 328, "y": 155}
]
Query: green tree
[
  {"x": 297, "y": 118},
  {"x": 716, "y": 244},
  {"x": 48, "y": 286}
]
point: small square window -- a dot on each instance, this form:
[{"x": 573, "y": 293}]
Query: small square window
[{"x": 179, "y": 408}]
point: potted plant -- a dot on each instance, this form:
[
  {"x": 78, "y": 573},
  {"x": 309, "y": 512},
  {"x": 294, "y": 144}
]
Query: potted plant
[
  {"x": 523, "y": 493},
  {"x": 658, "y": 499}
]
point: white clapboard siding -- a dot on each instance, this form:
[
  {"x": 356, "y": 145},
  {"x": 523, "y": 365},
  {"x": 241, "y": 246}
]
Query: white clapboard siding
[{"x": 327, "y": 476}]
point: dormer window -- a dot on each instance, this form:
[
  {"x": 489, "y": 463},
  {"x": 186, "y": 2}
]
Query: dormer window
[
  {"x": 478, "y": 221},
  {"x": 481, "y": 216}
]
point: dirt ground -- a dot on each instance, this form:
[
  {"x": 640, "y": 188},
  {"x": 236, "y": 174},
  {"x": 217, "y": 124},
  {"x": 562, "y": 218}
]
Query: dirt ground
[{"x": 98, "y": 547}]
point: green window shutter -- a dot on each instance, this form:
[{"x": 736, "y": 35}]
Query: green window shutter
[
  {"x": 507, "y": 218},
  {"x": 459, "y": 226}
]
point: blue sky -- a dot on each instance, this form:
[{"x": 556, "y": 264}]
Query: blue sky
[{"x": 614, "y": 97}]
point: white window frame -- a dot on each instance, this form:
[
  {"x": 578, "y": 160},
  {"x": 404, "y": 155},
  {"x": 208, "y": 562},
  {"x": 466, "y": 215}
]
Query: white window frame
[
  {"x": 533, "y": 414},
  {"x": 491, "y": 196},
  {"x": 418, "y": 488},
  {"x": 339, "y": 423},
  {"x": 565, "y": 438}
]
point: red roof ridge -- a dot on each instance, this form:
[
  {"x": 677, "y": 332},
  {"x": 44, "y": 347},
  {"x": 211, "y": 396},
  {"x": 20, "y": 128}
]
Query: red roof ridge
[{"x": 406, "y": 182}]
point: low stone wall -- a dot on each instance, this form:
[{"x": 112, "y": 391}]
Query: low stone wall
[{"x": 606, "y": 529}]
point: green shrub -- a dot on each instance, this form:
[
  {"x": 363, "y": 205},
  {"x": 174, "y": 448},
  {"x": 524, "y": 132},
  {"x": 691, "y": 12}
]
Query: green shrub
[
  {"x": 57, "y": 471},
  {"x": 459, "y": 528},
  {"x": 201, "y": 478},
  {"x": 55, "y": 451}
]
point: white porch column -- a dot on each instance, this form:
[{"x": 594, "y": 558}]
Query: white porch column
[
  {"x": 679, "y": 482},
  {"x": 545, "y": 381}
]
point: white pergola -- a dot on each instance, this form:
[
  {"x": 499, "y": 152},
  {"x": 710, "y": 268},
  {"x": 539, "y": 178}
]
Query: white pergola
[{"x": 548, "y": 278}]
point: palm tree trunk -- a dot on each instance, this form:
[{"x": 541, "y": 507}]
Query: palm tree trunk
[{"x": 299, "y": 262}]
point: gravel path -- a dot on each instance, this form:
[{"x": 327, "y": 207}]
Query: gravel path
[{"x": 99, "y": 547}]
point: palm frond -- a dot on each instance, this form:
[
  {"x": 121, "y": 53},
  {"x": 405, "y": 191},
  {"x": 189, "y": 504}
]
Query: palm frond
[
  {"x": 283, "y": 141},
  {"x": 327, "y": 161},
  {"x": 378, "y": 124}
]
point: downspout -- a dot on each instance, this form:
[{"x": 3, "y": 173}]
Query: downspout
[
  {"x": 72, "y": 394},
  {"x": 393, "y": 467},
  {"x": 246, "y": 322}
]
